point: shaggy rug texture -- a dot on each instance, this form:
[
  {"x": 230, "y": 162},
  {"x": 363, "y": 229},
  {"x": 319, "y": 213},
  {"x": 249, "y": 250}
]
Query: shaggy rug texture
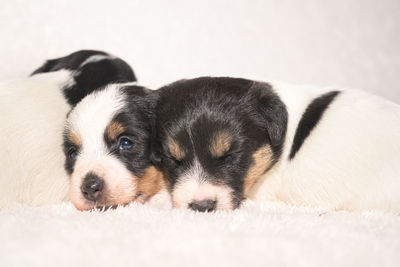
[
  {"x": 345, "y": 42},
  {"x": 258, "y": 234}
]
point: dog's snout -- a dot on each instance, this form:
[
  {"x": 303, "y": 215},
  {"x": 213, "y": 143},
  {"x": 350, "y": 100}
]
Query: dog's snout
[
  {"x": 92, "y": 187},
  {"x": 204, "y": 205}
]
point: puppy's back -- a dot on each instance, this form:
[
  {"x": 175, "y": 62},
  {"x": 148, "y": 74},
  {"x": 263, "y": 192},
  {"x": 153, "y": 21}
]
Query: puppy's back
[
  {"x": 350, "y": 160},
  {"x": 31, "y": 161}
]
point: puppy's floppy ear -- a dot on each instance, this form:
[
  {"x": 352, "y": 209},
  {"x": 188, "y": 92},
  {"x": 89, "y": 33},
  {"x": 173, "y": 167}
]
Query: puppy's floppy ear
[
  {"x": 90, "y": 70},
  {"x": 155, "y": 152},
  {"x": 155, "y": 142},
  {"x": 274, "y": 112},
  {"x": 46, "y": 67}
]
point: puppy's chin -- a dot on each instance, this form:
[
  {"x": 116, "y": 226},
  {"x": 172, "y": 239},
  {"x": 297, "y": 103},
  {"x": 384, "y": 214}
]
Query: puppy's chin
[
  {"x": 150, "y": 188},
  {"x": 106, "y": 201},
  {"x": 120, "y": 185}
]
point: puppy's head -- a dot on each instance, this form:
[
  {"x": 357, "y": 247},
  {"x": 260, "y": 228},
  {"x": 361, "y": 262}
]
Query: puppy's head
[
  {"x": 89, "y": 70},
  {"x": 214, "y": 137},
  {"x": 106, "y": 144}
]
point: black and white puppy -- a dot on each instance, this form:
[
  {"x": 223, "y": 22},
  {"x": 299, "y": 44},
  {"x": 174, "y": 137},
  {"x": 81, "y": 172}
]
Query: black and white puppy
[
  {"x": 107, "y": 149},
  {"x": 221, "y": 140},
  {"x": 33, "y": 111}
]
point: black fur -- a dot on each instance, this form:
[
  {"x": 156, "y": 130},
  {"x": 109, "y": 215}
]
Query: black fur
[
  {"x": 135, "y": 118},
  {"x": 310, "y": 119},
  {"x": 90, "y": 76},
  {"x": 67, "y": 147},
  {"x": 192, "y": 111}
]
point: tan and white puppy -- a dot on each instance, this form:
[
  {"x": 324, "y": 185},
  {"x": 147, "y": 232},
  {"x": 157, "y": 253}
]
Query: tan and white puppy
[
  {"x": 107, "y": 146},
  {"x": 33, "y": 111}
]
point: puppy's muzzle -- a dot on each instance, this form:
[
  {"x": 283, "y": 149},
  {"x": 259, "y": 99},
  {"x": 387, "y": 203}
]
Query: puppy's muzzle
[
  {"x": 203, "y": 205},
  {"x": 92, "y": 187}
]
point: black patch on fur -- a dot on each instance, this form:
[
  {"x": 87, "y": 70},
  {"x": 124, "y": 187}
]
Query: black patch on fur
[
  {"x": 67, "y": 146},
  {"x": 136, "y": 119},
  {"x": 90, "y": 76},
  {"x": 275, "y": 114},
  {"x": 192, "y": 111},
  {"x": 310, "y": 119}
]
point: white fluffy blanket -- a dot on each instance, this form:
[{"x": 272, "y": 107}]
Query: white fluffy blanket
[
  {"x": 347, "y": 42},
  {"x": 259, "y": 234}
]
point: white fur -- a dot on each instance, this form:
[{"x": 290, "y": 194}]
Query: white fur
[
  {"x": 33, "y": 112},
  {"x": 89, "y": 120},
  {"x": 351, "y": 160},
  {"x": 193, "y": 186},
  {"x": 95, "y": 58}
]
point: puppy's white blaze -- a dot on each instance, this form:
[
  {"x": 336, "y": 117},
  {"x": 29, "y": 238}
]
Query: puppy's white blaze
[
  {"x": 89, "y": 120},
  {"x": 92, "y": 115},
  {"x": 193, "y": 186},
  {"x": 95, "y": 58}
]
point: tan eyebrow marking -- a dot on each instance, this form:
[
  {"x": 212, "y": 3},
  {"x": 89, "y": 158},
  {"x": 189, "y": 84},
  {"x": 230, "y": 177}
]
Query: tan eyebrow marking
[
  {"x": 221, "y": 142},
  {"x": 114, "y": 129},
  {"x": 262, "y": 161},
  {"x": 75, "y": 138},
  {"x": 175, "y": 149}
]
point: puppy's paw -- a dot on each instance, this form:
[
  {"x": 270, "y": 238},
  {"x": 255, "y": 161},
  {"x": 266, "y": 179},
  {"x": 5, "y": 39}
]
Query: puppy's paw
[{"x": 161, "y": 200}]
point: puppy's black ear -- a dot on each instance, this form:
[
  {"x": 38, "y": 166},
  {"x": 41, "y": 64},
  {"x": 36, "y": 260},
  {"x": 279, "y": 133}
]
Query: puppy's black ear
[
  {"x": 155, "y": 153},
  {"x": 46, "y": 67},
  {"x": 90, "y": 70},
  {"x": 155, "y": 143},
  {"x": 274, "y": 112}
]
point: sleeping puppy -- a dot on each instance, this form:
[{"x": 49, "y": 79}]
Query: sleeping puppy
[
  {"x": 107, "y": 147},
  {"x": 33, "y": 111},
  {"x": 221, "y": 140}
]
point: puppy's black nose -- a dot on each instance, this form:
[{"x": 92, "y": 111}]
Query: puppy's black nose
[
  {"x": 204, "y": 205},
  {"x": 92, "y": 187}
]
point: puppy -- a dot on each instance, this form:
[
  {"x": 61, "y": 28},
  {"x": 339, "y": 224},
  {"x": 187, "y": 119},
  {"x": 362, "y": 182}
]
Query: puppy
[
  {"x": 107, "y": 149},
  {"x": 33, "y": 112},
  {"x": 221, "y": 140}
]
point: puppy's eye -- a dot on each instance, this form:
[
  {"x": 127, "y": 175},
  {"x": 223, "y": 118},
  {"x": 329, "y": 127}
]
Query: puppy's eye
[
  {"x": 225, "y": 157},
  {"x": 125, "y": 144},
  {"x": 174, "y": 161},
  {"x": 72, "y": 153}
]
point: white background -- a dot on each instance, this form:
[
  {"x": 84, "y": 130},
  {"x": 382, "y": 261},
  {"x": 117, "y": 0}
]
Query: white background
[{"x": 343, "y": 42}]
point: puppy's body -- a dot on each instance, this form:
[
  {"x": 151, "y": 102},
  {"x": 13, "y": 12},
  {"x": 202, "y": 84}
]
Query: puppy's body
[
  {"x": 350, "y": 160},
  {"x": 31, "y": 160},
  {"x": 33, "y": 112},
  {"x": 221, "y": 140}
]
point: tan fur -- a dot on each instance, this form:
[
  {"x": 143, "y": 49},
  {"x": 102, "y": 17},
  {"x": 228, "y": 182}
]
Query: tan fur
[
  {"x": 151, "y": 183},
  {"x": 75, "y": 138},
  {"x": 175, "y": 149},
  {"x": 114, "y": 130},
  {"x": 220, "y": 144},
  {"x": 262, "y": 161}
]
